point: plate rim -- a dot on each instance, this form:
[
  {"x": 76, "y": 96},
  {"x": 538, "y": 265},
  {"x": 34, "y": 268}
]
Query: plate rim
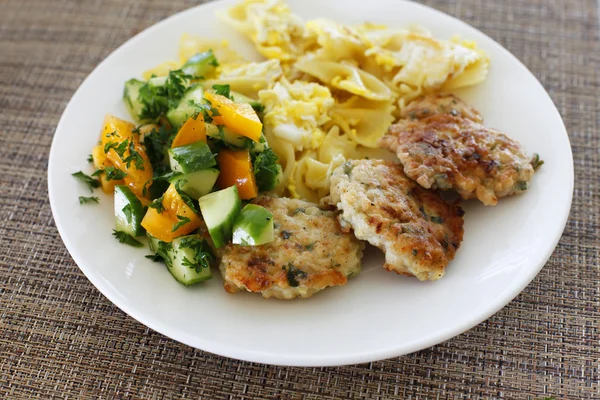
[{"x": 297, "y": 360}]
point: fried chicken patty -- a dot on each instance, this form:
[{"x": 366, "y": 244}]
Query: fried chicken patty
[
  {"x": 448, "y": 152},
  {"x": 310, "y": 253},
  {"x": 440, "y": 103},
  {"x": 416, "y": 229}
]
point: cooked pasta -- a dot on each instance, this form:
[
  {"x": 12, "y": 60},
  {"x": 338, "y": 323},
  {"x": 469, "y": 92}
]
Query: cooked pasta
[{"x": 330, "y": 91}]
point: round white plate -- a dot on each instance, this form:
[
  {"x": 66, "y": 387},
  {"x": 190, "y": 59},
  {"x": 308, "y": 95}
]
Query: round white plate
[{"x": 376, "y": 315}]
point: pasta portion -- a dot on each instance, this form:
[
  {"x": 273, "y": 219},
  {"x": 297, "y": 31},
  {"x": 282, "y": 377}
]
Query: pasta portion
[{"x": 330, "y": 91}]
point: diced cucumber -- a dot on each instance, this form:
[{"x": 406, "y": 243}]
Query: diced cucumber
[
  {"x": 240, "y": 98},
  {"x": 131, "y": 98},
  {"x": 227, "y": 135},
  {"x": 191, "y": 157},
  {"x": 201, "y": 64},
  {"x": 253, "y": 226},
  {"x": 129, "y": 211},
  {"x": 185, "y": 109},
  {"x": 188, "y": 258},
  {"x": 219, "y": 210},
  {"x": 197, "y": 184}
]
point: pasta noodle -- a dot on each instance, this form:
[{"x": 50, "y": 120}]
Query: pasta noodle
[{"x": 330, "y": 91}]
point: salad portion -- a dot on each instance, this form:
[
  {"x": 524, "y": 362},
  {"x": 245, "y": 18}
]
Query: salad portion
[{"x": 183, "y": 171}]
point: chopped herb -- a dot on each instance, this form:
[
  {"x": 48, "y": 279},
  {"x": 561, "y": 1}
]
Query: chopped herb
[
  {"x": 85, "y": 200},
  {"x": 266, "y": 170},
  {"x": 90, "y": 159},
  {"x": 128, "y": 211},
  {"x": 184, "y": 196},
  {"x": 258, "y": 107},
  {"x": 98, "y": 172},
  {"x": 182, "y": 221},
  {"x": 121, "y": 148},
  {"x": 521, "y": 186},
  {"x": 415, "y": 252},
  {"x": 157, "y": 99},
  {"x": 157, "y": 204},
  {"x": 536, "y": 162},
  {"x": 436, "y": 219},
  {"x": 134, "y": 156},
  {"x": 223, "y": 90},
  {"x": 125, "y": 238},
  {"x": 157, "y": 142},
  {"x": 113, "y": 174},
  {"x": 110, "y": 145},
  {"x": 154, "y": 257},
  {"x": 203, "y": 257},
  {"x": 310, "y": 246},
  {"x": 286, "y": 234},
  {"x": 88, "y": 180},
  {"x": 299, "y": 210},
  {"x": 294, "y": 274}
]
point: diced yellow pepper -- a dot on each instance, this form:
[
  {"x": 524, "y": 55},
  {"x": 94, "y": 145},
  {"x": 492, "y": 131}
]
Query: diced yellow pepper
[
  {"x": 192, "y": 131},
  {"x": 239, "y": 117},
  {"x": 236, "y": 169},
  {"x": 160, "y": 225},
  {"x": 116, "y": 131},
  {"x": 101, "y": 162}
]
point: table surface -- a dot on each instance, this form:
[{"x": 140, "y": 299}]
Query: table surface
[{"x": 60, "y": 338}]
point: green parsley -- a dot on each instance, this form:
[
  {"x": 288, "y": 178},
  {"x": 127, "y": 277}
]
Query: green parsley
[
  {"x": 134, "y": 156},
  {"x": 90, "y": 159},
  {"x": 157, "y": 99},
  {"x": 157, "y": 204},
  {"x": 203, "y": 257},
  {"x": 88, "y": 180},
  {"x": 184, "y": 196},
  {"x": 154, "y": 257},
  {"x": 125, "y": 238},
  {"x": 85, "y": 200},
  {"x": 536, "y": 162},
  {"x": 223, "y": 90},
  {"x": 294, "y": 274},
  {"x": 113, "y": 174},
  {"x": 182, "y": 221},
  {"x": 157, "y": 142},
  {"x": 266, "y": 170}
]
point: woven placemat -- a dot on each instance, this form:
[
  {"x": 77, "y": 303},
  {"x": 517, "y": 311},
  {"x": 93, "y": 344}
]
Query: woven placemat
[{"x": 60, "y": 338}]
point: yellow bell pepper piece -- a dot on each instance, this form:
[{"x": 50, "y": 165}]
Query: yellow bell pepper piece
[
  {"x": 160, "y": 225},
  {"x": 239, "y": 117},
  {"x": 101, "y": 162},
  {"x": 116, "y": 131},
  {"x": 192, "y": 131},
  {"x": 236, "y": 169}
]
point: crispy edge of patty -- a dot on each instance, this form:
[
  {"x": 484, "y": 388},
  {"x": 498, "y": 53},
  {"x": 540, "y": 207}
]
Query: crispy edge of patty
[
  {"x": 444, "y": 152},
  {"x": 416, "y": 229},
  {"x": 293, "y": 265}
]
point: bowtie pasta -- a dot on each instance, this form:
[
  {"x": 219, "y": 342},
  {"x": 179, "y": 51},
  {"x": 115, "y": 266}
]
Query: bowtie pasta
[{"x": 330, "y": 91}]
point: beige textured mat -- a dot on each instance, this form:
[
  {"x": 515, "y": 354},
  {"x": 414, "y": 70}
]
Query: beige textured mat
[{"x": 60, "y": 338}]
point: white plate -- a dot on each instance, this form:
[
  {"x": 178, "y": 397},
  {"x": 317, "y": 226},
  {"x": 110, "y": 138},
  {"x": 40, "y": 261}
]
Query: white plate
[{"x": 376, "y": 315}]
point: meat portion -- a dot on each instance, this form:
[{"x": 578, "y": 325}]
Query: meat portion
[
  {"x": 447, "y": 152},
  {"x": 440, "y": 103},
  {"x": 416, "y": 229},
  {"x": 310, "y": 253}
]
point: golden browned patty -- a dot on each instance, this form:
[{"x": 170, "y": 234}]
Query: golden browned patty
[
  {"x": 440, "y": 103},
  {"x": 447, "y": 152},
  {"x": 310, "y": 253},
  {"x": 416, "y": 229}
]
